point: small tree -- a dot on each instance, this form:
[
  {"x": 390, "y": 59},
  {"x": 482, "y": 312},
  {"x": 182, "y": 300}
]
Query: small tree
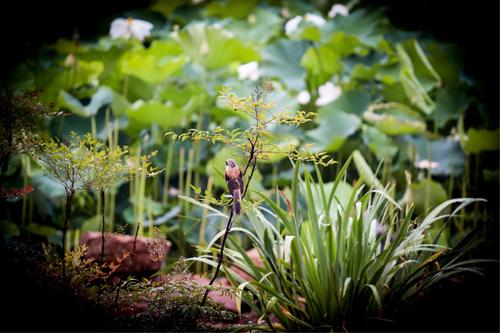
[
  {"x": 68, "y": 163},
  {"x": 109, "y": 166},
  {"x": 254, "y": 143},
  {"x": 113, "y": 165}
]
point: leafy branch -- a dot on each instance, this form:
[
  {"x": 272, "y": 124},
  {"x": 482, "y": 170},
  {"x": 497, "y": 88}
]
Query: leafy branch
[{"x": 254, "y": 142}]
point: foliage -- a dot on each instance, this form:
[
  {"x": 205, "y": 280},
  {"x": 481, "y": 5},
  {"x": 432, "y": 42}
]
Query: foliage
[
  {"x": 338, "y": 254},
  {"x": 20, "y": 115},
  {"x": 169, "y": 304}
]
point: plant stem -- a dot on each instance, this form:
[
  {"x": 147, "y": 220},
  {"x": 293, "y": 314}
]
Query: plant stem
[
  {"x": 101, "y": 192},
  {"x": 67, "y": 214},
  {"x": 220, "y": 257}
]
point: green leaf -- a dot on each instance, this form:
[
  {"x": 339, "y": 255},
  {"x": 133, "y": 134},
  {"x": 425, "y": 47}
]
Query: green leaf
[
  {"x": 322, "y": 62},
  {"x": 144, "y": 114},
  {"x": 450, "y": 102},
  {"x": 231, "y": 8},
  {"x": 281, "y": 60},
  {"x": 360, "y": 23},
  {"x": 395, "y": 119},
  {"x": 420, "y": 64},
  {"x": 352, "y": 101},
  {"x": 279, "y": 142},
  {"x": 479, "y": 140},
  {"x": 154, "y": 64},
  {"x": 379, "y": 144},
  {"x": 214, "y": 47},
  {"x": 261, "y": 26},
  {"x": 446, "y": 154},
  {"x": 334, "y": 127},
  {"x": 102, "y": 96},
  {"x": 427, "y": 194}
]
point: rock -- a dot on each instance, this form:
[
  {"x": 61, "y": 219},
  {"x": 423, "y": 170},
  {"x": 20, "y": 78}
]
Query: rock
[{"x": 118, "y": 248}]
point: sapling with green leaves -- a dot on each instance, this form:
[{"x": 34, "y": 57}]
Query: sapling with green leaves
[
  {"x": 254, "y": 143},
  {"x": 109, "y": 167},
  {"x": 68, "y": 163}
]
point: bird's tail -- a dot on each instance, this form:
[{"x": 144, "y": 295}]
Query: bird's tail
[{"x": 236, "y": 201}]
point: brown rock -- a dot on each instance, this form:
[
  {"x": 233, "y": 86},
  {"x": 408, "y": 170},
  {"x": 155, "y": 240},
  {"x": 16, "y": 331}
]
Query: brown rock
[{"x": 118, "y": 248}]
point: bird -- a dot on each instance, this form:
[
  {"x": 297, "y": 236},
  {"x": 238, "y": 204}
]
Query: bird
[{"x": 234, "y": 180}]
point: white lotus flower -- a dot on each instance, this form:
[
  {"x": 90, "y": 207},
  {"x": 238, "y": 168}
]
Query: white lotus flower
[
  {"x": 328, "y": 93},
  {"x": 338, "y": 10},
  {"x": 249, "y": 71},
  {"x": 292, "y": 25},
  {"x": 130, "y": 27},
  {"x": 426, "y": 164},
  {"x": 314, "y": 19},
  {"x": 303, "y": 97}
]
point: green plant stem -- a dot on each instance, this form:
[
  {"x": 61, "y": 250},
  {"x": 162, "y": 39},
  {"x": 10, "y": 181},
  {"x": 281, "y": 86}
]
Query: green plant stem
[{"x": 168, "y": 166}]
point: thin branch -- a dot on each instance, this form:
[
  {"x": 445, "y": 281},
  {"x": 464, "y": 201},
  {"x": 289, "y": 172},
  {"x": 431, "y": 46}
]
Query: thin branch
[{"x": 220, "y": 257}]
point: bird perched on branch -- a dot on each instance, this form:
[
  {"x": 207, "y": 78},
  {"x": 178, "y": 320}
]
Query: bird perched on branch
[{"x": 234, "y": 180}]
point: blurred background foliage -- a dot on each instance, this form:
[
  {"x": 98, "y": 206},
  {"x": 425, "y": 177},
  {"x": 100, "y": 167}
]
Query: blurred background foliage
[{"x": 388, "y": 81}]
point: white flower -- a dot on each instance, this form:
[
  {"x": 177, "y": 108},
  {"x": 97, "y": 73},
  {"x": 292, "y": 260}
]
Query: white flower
[
  {"x": 314, "y": 19},
  {"x": 328, "y": 93},
  {"x": 338, "y": 10},
  {"x": 249, "y": 71},
  {"x": 426, "y": 164},
  {"x": 292, "y": 25},
  {"x": 130, "y": 27},
  {"x": 303, "y": 97}
]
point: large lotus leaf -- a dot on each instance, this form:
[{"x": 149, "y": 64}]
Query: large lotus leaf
[
  {"x": 137, "y": 89},
  {"x": 82, "y": 73},
  {"x": 479, "y": 140},
  {"x": 446, "y": 154},
  {"x": 446, "y": 59},
  {"x": 413, "y": 88},
  {"x": 360, "y": 23},
  {"x": 181, "y": 95},
  {"x": 281, "y": 60},
  {"x": 450, "y": 102},
  {"x": 154, "y": 64},
  {"x": 395, "y": 119},
  {"x": 334, "y": 128},
  {"x": 415, "y": 92},
  {"x": 278, "y": 142},
  {"x": 214, "y": 47},
  {"x": 379, "y": 144},
  {"x": 216, "y": 168},
  {"x": 144, "y": 114},
  {"x": 352, "y": 101},
  {"x": 231, "y": 8},
  {"x": 427, "y": 194},
  {"x": 102, "y": 97},
  {"x": 415, "y": 58},
  {"x": 322, "y": 61},
  {"x": 260, "y": 27}
]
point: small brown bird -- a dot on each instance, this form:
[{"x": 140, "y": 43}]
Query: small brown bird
[{"x": 234, "y": 182}]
